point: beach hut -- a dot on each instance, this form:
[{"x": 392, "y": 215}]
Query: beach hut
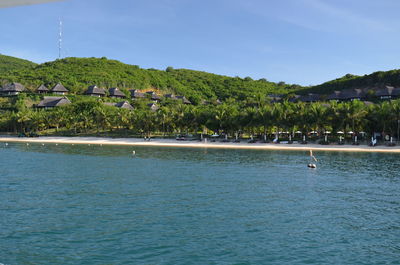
[
  {"x": 154, "y": 97},
  {"x": 52, "y": 102},
  {"x": 122, "y": 105},
  {"x": 336, "y": 96},
  {"x": 294, "y": 98},
  {"x": 135, "y": 94},
  {"x": 59, "y": 89},
  {"x": 310, "y": 98},
  {"x": 95, "y": 91},
  {"x": 42, "y": 89},
  {"x": 353, "y": 94},
  {"x": 170, "y": 96},
  {"x": 114, "y": 92},
  {"x": 12, "y": 89},
  {"x": 153, "y": 107},
  {"x": 184, "y": 100},
  {"x": 387, "y": 92}
]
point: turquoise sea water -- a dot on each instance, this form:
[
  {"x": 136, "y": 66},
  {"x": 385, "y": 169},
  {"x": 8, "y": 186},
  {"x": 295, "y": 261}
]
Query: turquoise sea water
[{"x": 99, "y": 205}]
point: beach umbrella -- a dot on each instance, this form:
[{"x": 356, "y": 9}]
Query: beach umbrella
[
  {"x": 340, "y": 132},
  {"x": 328, "y": 132},
  {"x": 313, "y": 132},
  {"x": 351, "y": 132},
  {"x": 298, "y": 132}
]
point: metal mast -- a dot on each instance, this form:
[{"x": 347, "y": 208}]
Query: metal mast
[{"x": 60, "y": 39}]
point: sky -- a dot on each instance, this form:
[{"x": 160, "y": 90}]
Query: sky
[{"x": 304, "y": 42}]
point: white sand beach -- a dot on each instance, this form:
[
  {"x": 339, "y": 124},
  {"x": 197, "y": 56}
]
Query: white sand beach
[{"x": 197, "y": 144}]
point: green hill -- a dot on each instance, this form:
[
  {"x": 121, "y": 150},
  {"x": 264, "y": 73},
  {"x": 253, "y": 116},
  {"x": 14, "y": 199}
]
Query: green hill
[
  {"x": 8, "y": 63},
  {"x": 376, "y": 79},
  {"x": 78, "y": 73}
]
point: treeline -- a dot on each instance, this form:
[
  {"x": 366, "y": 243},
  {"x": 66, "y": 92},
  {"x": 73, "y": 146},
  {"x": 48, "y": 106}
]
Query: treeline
[
  {"x": 89, "y": 115},
  {"x": 76, "y": 74}
]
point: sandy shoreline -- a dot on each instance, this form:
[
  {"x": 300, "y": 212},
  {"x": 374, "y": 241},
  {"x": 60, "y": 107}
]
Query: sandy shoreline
[{"x": 195, "y": 144}]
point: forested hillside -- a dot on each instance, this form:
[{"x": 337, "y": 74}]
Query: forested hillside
[
  {"x": 377, "y": 79},
  {"x": 8, "y": 63},
  {"x": 78, "y": 73}
]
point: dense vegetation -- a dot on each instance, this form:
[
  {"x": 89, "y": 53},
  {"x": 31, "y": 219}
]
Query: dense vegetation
[
  {"x": 87, "y": 115},
  {"x": 77, "y": 74},
  {"x": 245, "y": 110},
  {"x": 8, "y": 63},
  {"x": 377, "y": 79}
]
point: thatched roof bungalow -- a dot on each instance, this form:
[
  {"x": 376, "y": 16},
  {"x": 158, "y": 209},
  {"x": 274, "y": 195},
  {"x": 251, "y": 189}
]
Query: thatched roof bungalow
[
  {"x": 12, "y": 89},
  {"x": 95, "y": 91},
  {"x": 59, "y": 89},
  {"x": 42, "y": 89},
  {"x": 184, "y": 100},
  {"x": 114, "y": 92},
  {"x": 388, "y": 92},
  {"x": 153, "y": 107},
  {"x": 336, "y": 95},
  {"x": 52, "y": 102},
  {"x": 153, "y": 96},
  {"x": 135, "y": 94},
  {"x": 310, "y": 98},
  {"x": 353, "y": 94},
  {"x": 122, "y": 105}
]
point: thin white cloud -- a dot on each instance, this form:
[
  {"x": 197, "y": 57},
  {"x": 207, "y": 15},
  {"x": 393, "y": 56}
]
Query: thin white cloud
[
  {"x": 11, "y": 3},
  {"x": 345, "y": 15}
]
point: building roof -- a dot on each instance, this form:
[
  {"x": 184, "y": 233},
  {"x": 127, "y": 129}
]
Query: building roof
[
  {"x": 336, "y": 95},
  {"x": 153, "y": 106},
  {"x": 387, "y": 91},
  {"x": 295, "y": 98},
  {"x": 114, "y": 91},
  {"x": 42, "y": 88},
  {"x": 310, "y": 98},
  {"x": 94, "y": 90},
  {"x": 136, "y": 94},
  {"x": 184, "y": 99},
  {"x": 59, "y": 88},
  {"x": 353, "y": 93},
  {"x": 13, "y": 87},
  {"x": 51, "y": 102},
  {"x": 171, "y": 96},
  {"x": 122, "y": 105}
]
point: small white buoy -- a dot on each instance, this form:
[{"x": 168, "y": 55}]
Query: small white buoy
[
  {"x": 56, "y": 144},
  {"x": 133, "y": 153},
  {"x": 27, "y": 143},
  {"x": 6, "y": 144},
  {"x": 42, "y": 144}
]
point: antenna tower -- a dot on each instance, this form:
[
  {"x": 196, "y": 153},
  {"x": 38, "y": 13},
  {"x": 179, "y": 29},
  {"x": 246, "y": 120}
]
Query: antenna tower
[{"x": 59, "y": 39}]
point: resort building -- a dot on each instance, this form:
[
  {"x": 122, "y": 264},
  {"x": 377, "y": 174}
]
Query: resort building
[
  {"x": 12, "y": 89},
  {"x": 42, "y": 89},
  {"x": 170, "y": 96},
  {"x": 153, "y": 107},
  {"x": 122, "y": 105},
  {"x": 135, "y": 94},
  {"x": 388, "y": 92},
  {"x": 153, "y": 96},
  {"x": 59, "y": 90},
  {"x": 114, "y": 92},
  {"x": 184, "y": 100},
  {"x": 52, "y": 102},
  {"x": 95, "y": 91}
]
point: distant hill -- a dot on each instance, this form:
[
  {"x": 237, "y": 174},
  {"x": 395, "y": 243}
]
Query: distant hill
[
  {"x": 78, "y": 73},
  {"x": 8, "y": 63},
  {"x": 374, "y": 80}
]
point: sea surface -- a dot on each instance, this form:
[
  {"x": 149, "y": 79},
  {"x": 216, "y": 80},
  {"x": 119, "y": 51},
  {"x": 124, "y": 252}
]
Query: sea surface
[{"x": 81, "y": 204}]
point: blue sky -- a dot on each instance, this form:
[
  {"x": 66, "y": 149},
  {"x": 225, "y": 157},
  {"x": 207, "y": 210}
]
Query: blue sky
[{"x": 297, "y": 41}]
